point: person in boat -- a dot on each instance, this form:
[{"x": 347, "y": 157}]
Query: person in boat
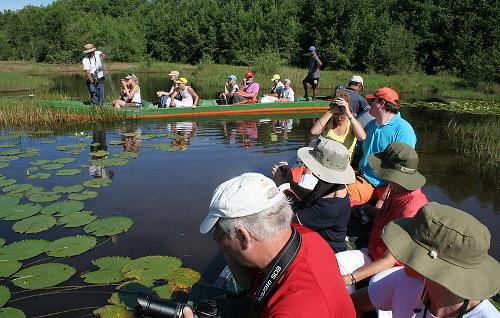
[
  {"x": 230, "y": 88},
  {"x": 165, "y": 97},
  {"x": 189, "y": 96},
  {"x": 387, "y": 127},
  {"x": 94, "y": 73},
  {"x": 397, "y": 164},
  {"x": 313, "y": 74},
  {"x": 339, "y": 124},
  {"x": 250, "y": 219},
  {"x": 131, "y": 93},
  {"x": 288, "y": 94},
  {"x": 325, "y": 209},
  {"x": 447, "y": 270},
  {"x": 276, "y": 91},
  {"x": 358, "y": 102},
  {"x": 248, "y": 92}
]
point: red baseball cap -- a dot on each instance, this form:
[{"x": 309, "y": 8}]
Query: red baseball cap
[
  {"x": 387, "y": 94},
  {"x": 249, "y": 74}
]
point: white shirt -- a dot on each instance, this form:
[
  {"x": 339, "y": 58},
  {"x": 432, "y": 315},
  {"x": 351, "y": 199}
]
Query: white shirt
[
  {"x": 402, "y": 294},
  {"x": 288, "y": 93},
  {"x": 94, "y": 65}
]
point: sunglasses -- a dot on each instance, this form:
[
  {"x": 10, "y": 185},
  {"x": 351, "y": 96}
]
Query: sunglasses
[{"x": 218, "y": 234}]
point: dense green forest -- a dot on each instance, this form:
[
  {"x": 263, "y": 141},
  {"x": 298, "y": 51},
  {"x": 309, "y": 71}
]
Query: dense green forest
[{"x": 456, "y": 36}]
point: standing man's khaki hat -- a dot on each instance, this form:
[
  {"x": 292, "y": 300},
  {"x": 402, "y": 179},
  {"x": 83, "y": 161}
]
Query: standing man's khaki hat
[{"x": 88, "y": 48}]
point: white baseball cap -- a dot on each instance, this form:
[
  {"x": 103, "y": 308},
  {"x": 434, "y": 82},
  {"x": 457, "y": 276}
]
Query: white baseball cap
[
  {"x": 357, "y": 79},
  {"x": 247, "y": 194}
]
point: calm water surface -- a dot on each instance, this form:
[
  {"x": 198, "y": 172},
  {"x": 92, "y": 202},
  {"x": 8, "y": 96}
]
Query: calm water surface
[{"x": 167, "y": 193}]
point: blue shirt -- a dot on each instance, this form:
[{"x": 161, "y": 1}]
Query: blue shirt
[
  {"x": 379, "y": 137},
  {"x": 358, "y": 102}
]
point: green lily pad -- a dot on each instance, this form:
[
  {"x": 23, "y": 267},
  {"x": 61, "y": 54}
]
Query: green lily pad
[
  {"x": 161, "y": 146},
  {"x": 126, "y": 155},
  {"x": 130, "y": 134},
  {"x": 112, "y": 311},
  {"x": 95, "y": 144},
  {"x": 8, "y": 200},
  {"x": 163, "y": 291},
  {"x": 11, "y": 152},
  {"x": 8, "y": 145},
  {"x": 71, "y": 246},
  {"x": 8, "y": 158},
  {"x": 99, "y": 153},
  {"x": 151, "y": 268},
  {"x": 109, "y": 270},
  {"x": 17, "y": 188},
  {"x": 40, "y": 162},
  {"x": 40, "y": 175},
  {"x": 68, "y": 147},
  {"x": 109, "y": 226},
  {"x": 22, "y": 250},
  {"x": 77, "y": 219},
  {"x": 10, "y": 312},
  {"x": 48, "y": 142},
  {"x": 7, "y": 182},
  {"x": 183, "y": 278},
  {"x": 9, "y": 267},
  {"x": 82, "y": 196},
  {"x": 116, "y": 142},
  {"x": 52, "y": 166},
  {"x": 4, "y": 295},
  {"x": 97, "y": 183},
  {"x": 68, "y": 172},
  {"x": 34, "y": 224},
  {"x": 63, "y": 207},
  {"x": 22, "y": 211},
  {"x": 75, "y": 152},
  {"x": 68, "y": 189},
  {"x": 44, "y": 197},
  {"x": 126, "y": 295},
  {"x": 64, "y": 160},
  {"x": 43, "y": 275},
  {"x": 3, "y": 165},
  {"x": 2, "y": 241},
  {"x": 113, "y": 162},
  {"x": 31, "y": 170}
]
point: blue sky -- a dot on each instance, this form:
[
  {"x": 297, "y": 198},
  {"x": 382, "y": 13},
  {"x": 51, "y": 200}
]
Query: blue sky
[{"x": 19, "y": 4}]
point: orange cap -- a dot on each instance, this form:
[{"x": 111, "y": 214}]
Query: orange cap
[
  {"x": 387, "y": 94},
  {"x": 249, "y": 74}
]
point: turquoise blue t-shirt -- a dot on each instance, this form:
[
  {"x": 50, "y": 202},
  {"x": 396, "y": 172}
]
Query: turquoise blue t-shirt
[{"x": 377, "y": 139}]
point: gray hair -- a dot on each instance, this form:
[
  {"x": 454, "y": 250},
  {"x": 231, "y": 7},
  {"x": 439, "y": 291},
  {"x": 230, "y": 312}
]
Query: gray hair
[
  {"x": 263, "y": 225},
  {"x": 287, "y": 81}
]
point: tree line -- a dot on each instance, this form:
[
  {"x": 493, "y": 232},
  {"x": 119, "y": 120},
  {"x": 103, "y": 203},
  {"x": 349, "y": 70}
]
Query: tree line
[{"x": 456, "y": 36}]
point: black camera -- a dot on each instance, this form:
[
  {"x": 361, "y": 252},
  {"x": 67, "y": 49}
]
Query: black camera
[
  {"x": 361, "y": 213},
  {"x": 155, "y": 308}
]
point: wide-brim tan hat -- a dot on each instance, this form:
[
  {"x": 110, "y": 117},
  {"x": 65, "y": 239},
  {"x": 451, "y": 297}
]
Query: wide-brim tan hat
[
  {"x": 88, "y": 48},
  {"x": 328, "y": 161},
  {"x": 447, "y": 246}
]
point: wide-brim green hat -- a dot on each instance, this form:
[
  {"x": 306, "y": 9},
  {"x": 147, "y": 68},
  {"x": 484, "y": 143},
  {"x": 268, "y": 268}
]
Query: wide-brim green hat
[
  {"x": 398, "y": 163},
  {"x": 447, "y": 246}
]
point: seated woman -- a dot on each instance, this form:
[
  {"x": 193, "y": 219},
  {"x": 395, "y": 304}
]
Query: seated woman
[
  {"x": 288, "y": 94},
  {"x": 326, "y": 209},
  {"x": 131, "y": 93},
  {"x": 165, "y": 97},
  {"x": 230, "y": 87},
  {"x": 187, "y": 93},
  {"x": 397, "y": 164},
  {"x": 276, "y": 90}
]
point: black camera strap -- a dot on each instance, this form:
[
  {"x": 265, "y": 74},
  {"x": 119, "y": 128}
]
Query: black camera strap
[{"x": 278, "y": 268}]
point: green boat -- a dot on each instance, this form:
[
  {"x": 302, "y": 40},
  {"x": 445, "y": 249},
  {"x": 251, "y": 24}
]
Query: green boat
[{"x": 206, "y": 108}]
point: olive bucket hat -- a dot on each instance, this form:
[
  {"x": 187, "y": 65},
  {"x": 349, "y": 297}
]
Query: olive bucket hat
[
  {"x": 328, "y": 161},
  {"x": 447, "y": 246},
  {"x": 398, "y": 163}
]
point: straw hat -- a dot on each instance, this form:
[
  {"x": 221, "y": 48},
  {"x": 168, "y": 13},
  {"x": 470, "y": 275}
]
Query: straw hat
[
  {"x": 447, "y": 246},
  {"x": 328, "y": 161},
  {"x": 89, "y": 48}
]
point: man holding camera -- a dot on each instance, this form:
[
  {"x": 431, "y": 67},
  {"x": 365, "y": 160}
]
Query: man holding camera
[
  {"x": 94, "y": 73},
  {"x": 358, "y": 103},
  {"x": 289, "y": 271}
]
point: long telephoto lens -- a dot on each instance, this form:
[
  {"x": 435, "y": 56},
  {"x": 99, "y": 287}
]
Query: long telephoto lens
[{"x": 155, "y": 308}]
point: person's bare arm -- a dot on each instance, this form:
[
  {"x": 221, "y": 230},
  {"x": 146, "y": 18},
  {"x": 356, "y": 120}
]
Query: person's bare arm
[
  {"x": 366, "y": 271},
  {"x": 321, "y": 123},
  {"x": 172, "y": 98},
  {"x": 130, "y": 92},
  {"x": 89, "y": 76},
  {"x": 362, "y": 302},
  {"x": 196, "y": 97}
]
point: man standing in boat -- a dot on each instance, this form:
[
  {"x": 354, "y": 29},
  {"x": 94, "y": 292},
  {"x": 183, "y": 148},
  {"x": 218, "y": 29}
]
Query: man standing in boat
[
  {"x": 312, "y": 77},
  {"x": 94, "y": 73}
]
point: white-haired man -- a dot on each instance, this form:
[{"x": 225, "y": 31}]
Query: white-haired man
[{"x": 289, "y": 270}]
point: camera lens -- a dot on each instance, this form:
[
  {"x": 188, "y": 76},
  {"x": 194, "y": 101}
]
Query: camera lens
[{"x": 154, "y": 308}]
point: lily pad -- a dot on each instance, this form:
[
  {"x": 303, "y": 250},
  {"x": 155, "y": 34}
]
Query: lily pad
[
  {"x": 4, "y": 295},
  {"x": 4, "y": 165},
  {"x": 68, "y": 147},
  {"x": 40, "y": 162},
  {"x": 71, "y": 246},
  {"x": 109, "y": 226},
  {"x": 22, "y": 211},
  {"x": 22, "y": 250},
  {"x": 7, "y": 182},
  {"x": 10, "y": 312},
  {"x": 17, "y": 188},
  {"x": 68, "y": 189},
  {"x": 97, "y": 183},
  {"x": 75, "y": 152},
  {"x": 40, "y": 175},
  {"x": 48, "y": 142},
  {"x": 8, "y": 158},
  {"x": 126, "y": 295},
  {"x": 95, "y": 144},
  {"x": 112, "y": 311},
  {"x": 109, "y": 270},
  {"x": 8, "y": 145},
  {"x": 2, "y": 241},
  {"x": 63, "y": 207},
  {"x": 9, "y": 267},
  {"x": 126, "y": 155},
  {"x": 44, "y": 197},
  {"x": 82, "y": 196},
  {"x": 163, "y": 291},
  {"x": 34, "y": 224},
  {"x": 52, "y": 166},
  {"x": 77, "y": 219},
  {"x": 130, "y": 134},
  {"x": 68, "y": 172},
  {"x": 151, "y": 268},
  {"x": 183, "y": 278},
  {"x": 116, "y": 142},
  {"x": 64, "y": 160},
  {"x": 99, "y": 153},
  {"x": 8, "y": 200},
  {"x": 31, "y": 170},
  {"x": 43, "y": 275}
]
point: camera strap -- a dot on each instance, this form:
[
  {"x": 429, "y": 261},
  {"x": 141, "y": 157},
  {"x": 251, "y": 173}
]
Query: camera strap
[{"x": 278, "y": 268}]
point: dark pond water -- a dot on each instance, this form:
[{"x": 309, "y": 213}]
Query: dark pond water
[{"x": 167, "y": 193}]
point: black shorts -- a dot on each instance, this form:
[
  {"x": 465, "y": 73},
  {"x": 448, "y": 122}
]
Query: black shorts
[{"x": 312, "y": 81}]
